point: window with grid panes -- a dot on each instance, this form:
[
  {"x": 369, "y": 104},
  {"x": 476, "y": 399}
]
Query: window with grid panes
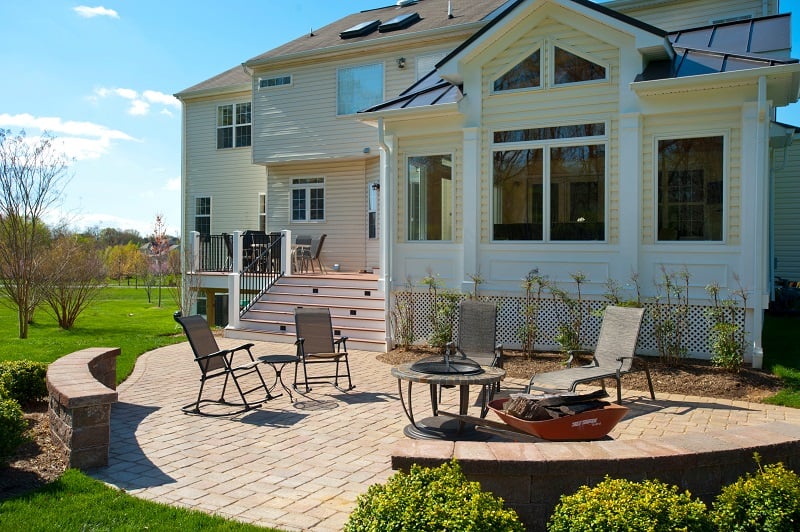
[{"x": 234, "y": 125}]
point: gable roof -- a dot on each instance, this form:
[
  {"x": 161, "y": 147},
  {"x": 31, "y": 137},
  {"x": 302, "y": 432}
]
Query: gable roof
[
  {"x": 433, "y": 15},
  {"x": 228, "y": 80}
]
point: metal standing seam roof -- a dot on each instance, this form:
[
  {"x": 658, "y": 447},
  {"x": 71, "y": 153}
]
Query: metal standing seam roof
[{"x": 429, "y": 90}]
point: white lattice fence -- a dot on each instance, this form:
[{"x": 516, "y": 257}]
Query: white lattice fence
[{"x": 553, "y": 312}]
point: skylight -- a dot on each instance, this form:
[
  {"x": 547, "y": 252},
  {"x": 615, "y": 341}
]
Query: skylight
[
  {"x": 359, "y": 30},
  {"x": 400, "y": 22}
]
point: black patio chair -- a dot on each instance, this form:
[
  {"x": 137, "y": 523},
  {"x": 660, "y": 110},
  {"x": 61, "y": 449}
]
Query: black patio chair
[
  {"x": 316, "y": 345},
  {"x": 215, "y": 362}
]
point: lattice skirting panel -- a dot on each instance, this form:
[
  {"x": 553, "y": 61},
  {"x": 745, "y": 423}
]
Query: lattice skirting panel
[{"x": 552, "y": 313}]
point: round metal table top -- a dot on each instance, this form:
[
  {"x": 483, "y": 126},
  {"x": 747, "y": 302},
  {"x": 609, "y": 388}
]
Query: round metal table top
[{"x": 489, "y": 375}]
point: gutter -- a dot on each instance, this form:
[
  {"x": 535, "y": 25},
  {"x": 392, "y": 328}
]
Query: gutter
[{"x": 387, "y": 231}]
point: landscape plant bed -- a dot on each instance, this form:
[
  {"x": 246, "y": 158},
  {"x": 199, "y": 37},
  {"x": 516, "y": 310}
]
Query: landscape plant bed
[{"x": 691, "y": 377}]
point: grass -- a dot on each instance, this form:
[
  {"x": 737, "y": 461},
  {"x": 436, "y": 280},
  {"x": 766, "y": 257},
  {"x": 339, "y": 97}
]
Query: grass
[
  {"x": 77, "y": 502},
  {"x": 120, "y": 317},
  {"x": 782, "y": 357}
]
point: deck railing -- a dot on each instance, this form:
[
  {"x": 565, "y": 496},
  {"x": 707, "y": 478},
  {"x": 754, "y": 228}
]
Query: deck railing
[
  {"x": 215, "y": 253},
  {"x": 261, "y": 266}
]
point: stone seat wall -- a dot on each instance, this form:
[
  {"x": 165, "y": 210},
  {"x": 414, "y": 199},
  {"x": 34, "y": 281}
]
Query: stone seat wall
[{"x": 82, "y": 388}]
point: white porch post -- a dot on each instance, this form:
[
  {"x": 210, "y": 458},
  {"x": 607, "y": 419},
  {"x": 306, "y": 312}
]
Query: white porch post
[
  {"x": 386, "y": 214},
  {"x": 286, "y": 252},
  {"x": 629, "y": 191},
  {"x": 194, "y": 257},
  {"x": 471, "y": 197},
  {"x": 233, "y": 282}
]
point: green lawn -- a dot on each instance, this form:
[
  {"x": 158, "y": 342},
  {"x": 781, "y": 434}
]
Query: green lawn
[
  {"x": 120, "y": 317},
  {"x": 782, "y": 357},
  {"x": 77, "y": 502}
]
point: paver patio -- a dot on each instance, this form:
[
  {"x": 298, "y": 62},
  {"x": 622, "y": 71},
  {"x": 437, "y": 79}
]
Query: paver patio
[{"x": 301, "y": 466}]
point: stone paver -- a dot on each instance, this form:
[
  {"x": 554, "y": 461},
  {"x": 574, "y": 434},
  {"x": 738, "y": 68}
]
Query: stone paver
[{"x": 300, "y": 466}]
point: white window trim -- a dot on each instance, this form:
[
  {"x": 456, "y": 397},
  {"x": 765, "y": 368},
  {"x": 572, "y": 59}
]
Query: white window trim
[
  {"x": 726, "y": 161},
  {"x": 442, "y": 153},
  {"x": 278, "y": 86},
  {"x": 364, "y": 65},
  {"x": 544, "y": 145},
  {"x": 538, "y": 45},
  {"x": 233, "y": 125},
  {"x": 262, "y": 215},
  {"x": 307, "y": 187},
  {"x": 210, "y": 211},
  {"x": 551, "y": 71}
]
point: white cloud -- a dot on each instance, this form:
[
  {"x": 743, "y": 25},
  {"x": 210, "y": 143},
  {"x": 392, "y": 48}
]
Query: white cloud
[
  {"x": 173, "y": 184},
  {"x": 140, "y": 104},
  {"x": 91, "y": 12},
  {"x": 79, "y": 140}
]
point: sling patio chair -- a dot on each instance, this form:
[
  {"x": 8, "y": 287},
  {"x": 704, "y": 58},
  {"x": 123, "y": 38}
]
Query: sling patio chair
[
  {"x": 311, "y": 253},
  {"x": 477, "y": 336},
  {"x": 613, "y": 356},
  {"x": 215, "y": 362},
  {"x": 316, "y": 345}
]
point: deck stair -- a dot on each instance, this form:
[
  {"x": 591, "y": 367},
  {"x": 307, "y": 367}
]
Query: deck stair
[{"x": 356, "y": 305}]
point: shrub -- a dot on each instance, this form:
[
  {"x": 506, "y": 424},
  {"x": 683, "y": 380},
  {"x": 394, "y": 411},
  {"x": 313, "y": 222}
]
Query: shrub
[
  {"x": 23, "y": 380},
  {"x": 430, "y": 499},
  {"x": 12, "y": 427},
  {"x": 619, "y": 504},
  {"x": 768, "y": 501}
]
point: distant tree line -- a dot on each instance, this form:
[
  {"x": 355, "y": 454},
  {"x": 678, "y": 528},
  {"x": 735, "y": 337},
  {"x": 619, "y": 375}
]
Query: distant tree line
[{"x": 50, "y": 266}]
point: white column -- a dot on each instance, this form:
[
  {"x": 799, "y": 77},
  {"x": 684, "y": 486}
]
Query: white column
[
  {"x": 233, "y": 300},
  {"x": 629, "y": 194},
  {"x": 237, "y": 251},
  {"x": 194, "y": 265},
  {"x": 471, "y": 209},
  {"x": 286, "y": 252}
]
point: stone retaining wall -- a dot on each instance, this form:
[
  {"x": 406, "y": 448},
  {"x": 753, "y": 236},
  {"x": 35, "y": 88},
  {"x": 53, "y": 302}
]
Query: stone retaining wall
[
  {"x": 82, "y": 388},
  {"x": 531, "y": 477}
]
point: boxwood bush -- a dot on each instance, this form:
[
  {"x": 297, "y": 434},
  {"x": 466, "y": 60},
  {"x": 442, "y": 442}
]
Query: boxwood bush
[
  {"x": 12, "y": 427},
  {"x": 431, "y": 499},
  {"x": 768, "y": 501},
  {"x": 23, "y": 380},
  {"x": 620, "y": 504}
]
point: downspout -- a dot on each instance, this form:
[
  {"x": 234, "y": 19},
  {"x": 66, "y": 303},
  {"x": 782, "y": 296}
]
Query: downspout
[
  {"x": 759, "y": 271},
  {"x": 385, "y": 279}
]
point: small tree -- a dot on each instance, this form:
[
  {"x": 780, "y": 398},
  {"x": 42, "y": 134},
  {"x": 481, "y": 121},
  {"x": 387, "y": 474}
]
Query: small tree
[
  {"x": 159, "y": 252},
  {"x": 533, "y": 284},
  {"x": 75, "y": 276},
  {"x": 33, "y": 174}
]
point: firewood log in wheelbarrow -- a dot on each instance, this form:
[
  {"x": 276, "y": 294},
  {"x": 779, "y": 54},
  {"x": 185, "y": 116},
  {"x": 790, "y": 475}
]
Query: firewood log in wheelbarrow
[{"x": 561, "y": 417}]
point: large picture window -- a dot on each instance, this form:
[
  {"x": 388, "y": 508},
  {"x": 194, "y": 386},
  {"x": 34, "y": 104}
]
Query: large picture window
[
  {"x": 430, "y": 197},
  {"x": 358, "y": 87},
  {"x": 308, "y": 199},
  {"x": 233, "y": 125},
  {"x": 690, "y": 188},
  {"x": 550, "y": 189}
]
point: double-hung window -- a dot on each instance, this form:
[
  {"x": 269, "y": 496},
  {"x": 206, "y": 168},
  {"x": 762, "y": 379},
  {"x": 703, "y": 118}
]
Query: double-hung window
[
  {"x": 690, "y": 188},
  {"x": 430, "y": 197},
  {"x": 358, "y": 87},
  {"x": 202, "y": 215},
  {"x": 233, "y": 125},
  {"x": 308, "y": 199},
  {"x": 549, "y": 183}
]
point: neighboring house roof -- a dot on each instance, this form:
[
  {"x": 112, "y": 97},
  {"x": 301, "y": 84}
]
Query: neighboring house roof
[
  {"x": 230, "y": 78},
  {"x": 433, "y": 15}
]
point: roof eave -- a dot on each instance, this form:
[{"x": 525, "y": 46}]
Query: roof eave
[
  {"x": 722, "y": 80},
  {"x": 410, "y": 113},
  {"x": 216, "y": 91}
]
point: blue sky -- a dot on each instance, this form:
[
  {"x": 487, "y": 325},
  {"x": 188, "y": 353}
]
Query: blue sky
[{"x": 100, "y": 78}]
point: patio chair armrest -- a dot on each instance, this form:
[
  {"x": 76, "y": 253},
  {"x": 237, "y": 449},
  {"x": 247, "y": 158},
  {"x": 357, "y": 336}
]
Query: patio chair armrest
[{"x": 340, "y": 342}]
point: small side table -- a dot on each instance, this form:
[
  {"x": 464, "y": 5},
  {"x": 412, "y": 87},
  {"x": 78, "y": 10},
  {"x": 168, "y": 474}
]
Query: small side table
[{"x": 277, "y": 362}]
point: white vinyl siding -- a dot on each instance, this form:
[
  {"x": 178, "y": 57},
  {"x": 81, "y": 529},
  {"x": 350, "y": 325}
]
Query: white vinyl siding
[
  {"x": 682, "y": 14},
  {"x": 299, "y": 122},
  {"x": 345, "y": 207},
  {"x": 787, "y": 198},
  {"x": 227, "y": 176}
]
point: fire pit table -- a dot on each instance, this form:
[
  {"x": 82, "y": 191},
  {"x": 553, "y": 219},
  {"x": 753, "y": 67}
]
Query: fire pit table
[{"x": 443, "y": 371}]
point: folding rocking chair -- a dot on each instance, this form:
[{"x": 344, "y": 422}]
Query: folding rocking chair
[
  {"x": 215, "y": 362},
  {"x": 316, "y": 345}
]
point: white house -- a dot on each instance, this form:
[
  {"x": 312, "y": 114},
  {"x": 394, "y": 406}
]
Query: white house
[{"x": 481, "y": 140}]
